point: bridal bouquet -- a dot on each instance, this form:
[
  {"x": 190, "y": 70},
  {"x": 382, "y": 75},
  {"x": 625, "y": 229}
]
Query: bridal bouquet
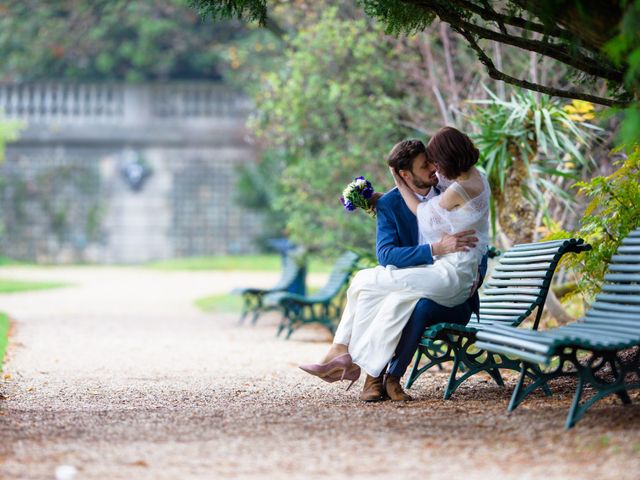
[{"x": 358, "y": 194}]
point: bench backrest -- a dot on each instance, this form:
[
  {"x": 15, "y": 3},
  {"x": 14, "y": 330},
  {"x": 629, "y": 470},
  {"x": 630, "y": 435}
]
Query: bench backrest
[
  {"x": 342, "y": 270},
  {"x": 521, "y": 280},
  {"x": 619, "y": 303},
  {"x": 292, "y": 272}
]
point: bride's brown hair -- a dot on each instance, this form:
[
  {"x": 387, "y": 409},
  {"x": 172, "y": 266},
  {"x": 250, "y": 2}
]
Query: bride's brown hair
[{"x": 452, "y": 151}]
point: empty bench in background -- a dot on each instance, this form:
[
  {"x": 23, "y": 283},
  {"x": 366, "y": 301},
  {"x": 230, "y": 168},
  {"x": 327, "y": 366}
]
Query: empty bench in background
[
  {"x": 292, "y": 280},
  {"x": 323, "y": 307}
]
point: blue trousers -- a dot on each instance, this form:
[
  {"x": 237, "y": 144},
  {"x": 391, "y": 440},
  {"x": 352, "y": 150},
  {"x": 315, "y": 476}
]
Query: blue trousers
[{"x": 426, "y": 314}]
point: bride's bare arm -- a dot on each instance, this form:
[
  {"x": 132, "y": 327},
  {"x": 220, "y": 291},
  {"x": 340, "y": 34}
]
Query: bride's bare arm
[{"x": 451, "y": 199}]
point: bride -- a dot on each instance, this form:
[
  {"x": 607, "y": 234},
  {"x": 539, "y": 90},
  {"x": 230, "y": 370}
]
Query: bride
[{"x": 380, "y": 300}]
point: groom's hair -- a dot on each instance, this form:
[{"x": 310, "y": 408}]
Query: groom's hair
[
  {"x": 452, "y": 151},
  {"x": 402, "y": 154}
]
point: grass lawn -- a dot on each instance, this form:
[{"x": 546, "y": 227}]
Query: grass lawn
[
  {"x": 268, "y": 263},
  {"x": 220, "y": 303},
  {"x": 4, "y": 332},
  {"x": 15, "y": 286}
]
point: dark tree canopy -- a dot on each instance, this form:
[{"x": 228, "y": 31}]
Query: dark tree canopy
[{"x": 596, "y": 38}]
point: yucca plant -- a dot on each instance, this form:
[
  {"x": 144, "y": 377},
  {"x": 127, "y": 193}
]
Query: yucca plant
[{"x": 527, "y": 146}]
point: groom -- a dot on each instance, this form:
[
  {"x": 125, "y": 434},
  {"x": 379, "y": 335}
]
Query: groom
[{"x": 397, "y": 244}]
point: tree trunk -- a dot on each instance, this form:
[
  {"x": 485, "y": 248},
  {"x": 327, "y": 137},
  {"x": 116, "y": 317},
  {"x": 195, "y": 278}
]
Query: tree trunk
[{"x": 516, "y": 215}]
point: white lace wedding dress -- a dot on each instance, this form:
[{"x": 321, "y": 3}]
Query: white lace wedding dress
[{"x": 380, "y": 300}]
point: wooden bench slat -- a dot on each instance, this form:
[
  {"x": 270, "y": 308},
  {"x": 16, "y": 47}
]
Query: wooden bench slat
[
  {"x": 524, "y": 306},
  {"x": 503, "y": 311},
  {"x": 594, "y": 333},
  {"x": 611, "y": 321},
  {"x": 505, "y": 350},
  {"x": 517, "y": 342},
  {"x": 630, "y": 241},
  {"x": 626, "y": 299},
  {"x": 624, "y": 268},
  {"x": 622, "y": 277},
  {"x": 534, "y": 274},
  {"x": 613, "y": 316},
  {"x": 547, "y": 244},
  {"x": 635, "y": 249},
  {"x": 494, "y": 317},
  {"x": 521, "y": 268},
  {"x": 530, "y": 253},
  {"x": 625, "y": 258},
  {"x": 615, "y": 307},
  {"x": 527, "y": 260},
  {"x": 509, "y": 290},
  {"x": 611, "y": 287},
  {"x": 533, "y": 282},
  {"x": 524, "y": 299}
]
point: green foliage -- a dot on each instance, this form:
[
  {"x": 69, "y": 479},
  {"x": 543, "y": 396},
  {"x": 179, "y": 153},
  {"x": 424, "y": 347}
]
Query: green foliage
[
  {"x": 258, "y": 189},
  {"x": 18, "y": 286},
  {"x": 220, "y": 303},
  {"x": 623, "y": 49},
  {"x": 249, "y": 10},
  {"x": 570, "y": 26},
  {"x": 399, "y": 17},
  {"x": 613, "y": 211},
  {"x": 105, "y": 39},
  {"x": 249, "y": 263},
  {"x": 548, "y": 137},
  {"x": 332, "y": 112}
]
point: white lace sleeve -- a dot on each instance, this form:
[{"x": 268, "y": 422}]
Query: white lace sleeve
[{"x": 434, "y": 221}]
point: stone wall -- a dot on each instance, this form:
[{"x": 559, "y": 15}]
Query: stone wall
[{"x": 72, "y": 188}]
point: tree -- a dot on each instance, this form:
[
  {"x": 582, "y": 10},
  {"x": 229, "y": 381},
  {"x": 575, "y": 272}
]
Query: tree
[
  {"x": 528, "y": 146},
  {"x": 597, "y": 39},
  {"x": 109, "y": 40},
  {"x": 332, "y": 112}
]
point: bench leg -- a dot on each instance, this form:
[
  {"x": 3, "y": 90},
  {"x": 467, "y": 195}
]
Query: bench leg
[
  {"x": 576, "y": 412},
  {"x": 603, "y": 385},
  {"x": 436, "y": 354},
  {"x": 624, "y": 397},
  {"x": 497, "y": 377},
  {"x": 474, "y": 361},
  {"x": 539, "y": 379},
  {"x": 452, "y": 385}
]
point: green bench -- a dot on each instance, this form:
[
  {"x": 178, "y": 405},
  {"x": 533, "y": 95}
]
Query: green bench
[
  {"x": 518, "y": 285},
  {"x": 292, "y": 280},
  {"x": 588, "y": 349},
  {"x": 323, "y": 307}
]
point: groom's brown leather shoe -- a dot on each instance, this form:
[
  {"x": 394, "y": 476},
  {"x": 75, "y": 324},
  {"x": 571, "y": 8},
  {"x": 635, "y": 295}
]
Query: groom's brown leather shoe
[
  {"x": 394, "y": 390},
  {"x": 373, "y": 390}
]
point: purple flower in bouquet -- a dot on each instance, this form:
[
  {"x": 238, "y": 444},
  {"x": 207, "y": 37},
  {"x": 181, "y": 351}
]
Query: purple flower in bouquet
[{"x": 358, "y": 194}]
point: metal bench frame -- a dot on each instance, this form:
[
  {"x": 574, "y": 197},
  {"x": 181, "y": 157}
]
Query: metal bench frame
[
  {"x": 607, "y": 329},
  {"x": 512, "y": 280}
]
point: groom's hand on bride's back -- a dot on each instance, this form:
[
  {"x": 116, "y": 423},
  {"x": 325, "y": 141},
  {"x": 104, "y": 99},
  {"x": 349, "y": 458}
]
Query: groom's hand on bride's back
[{"x": 458, "y": 242}]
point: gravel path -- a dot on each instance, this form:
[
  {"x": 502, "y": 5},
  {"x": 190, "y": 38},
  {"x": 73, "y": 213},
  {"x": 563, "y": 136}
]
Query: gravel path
[{"x": 122, "y": 377}]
